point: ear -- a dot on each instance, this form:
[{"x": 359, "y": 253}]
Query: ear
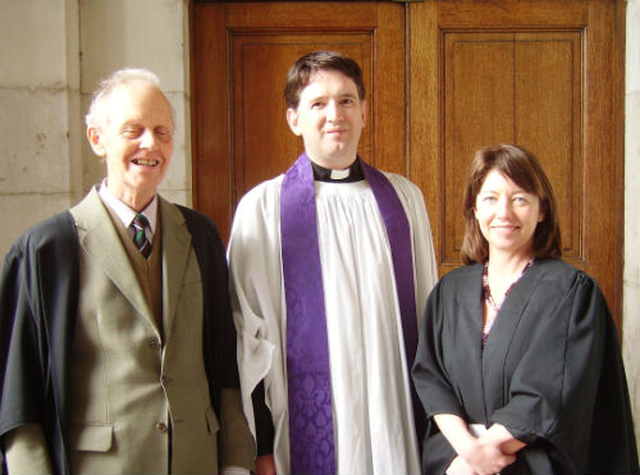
[
  {"x": 94, "y": 136},
  {"x": 292, "y": 120}
]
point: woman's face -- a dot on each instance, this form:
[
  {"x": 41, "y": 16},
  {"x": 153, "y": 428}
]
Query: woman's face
[{"x": 507, "y": 215}]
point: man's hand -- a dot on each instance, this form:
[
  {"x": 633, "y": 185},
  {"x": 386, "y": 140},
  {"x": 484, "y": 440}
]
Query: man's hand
[{"x": 266, "y": 465}]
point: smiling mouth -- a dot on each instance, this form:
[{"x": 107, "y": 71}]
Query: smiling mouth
[
  {"x": 145, "y": 162},
  {"x": 505, "y": 229}
]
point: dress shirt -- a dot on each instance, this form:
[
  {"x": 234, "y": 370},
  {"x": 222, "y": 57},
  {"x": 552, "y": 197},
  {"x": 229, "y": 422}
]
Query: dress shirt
[{"x": 126, "y": 214}]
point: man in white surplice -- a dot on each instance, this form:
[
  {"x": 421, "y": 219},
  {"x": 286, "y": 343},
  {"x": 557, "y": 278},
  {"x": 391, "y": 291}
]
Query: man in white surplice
[{"x": 370, "y": 393}]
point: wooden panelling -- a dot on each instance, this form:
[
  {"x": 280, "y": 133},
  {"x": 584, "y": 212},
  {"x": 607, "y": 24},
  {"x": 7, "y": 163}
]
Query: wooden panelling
[
  {"x": 540, "y": 74},
  {"x": 548, "y": 116},
  {"x": 517, "y": 88},
  {"x": 444, "y": 78},
  {"x": 263, "y": 144},
  {"x": 242, "y": 53}
]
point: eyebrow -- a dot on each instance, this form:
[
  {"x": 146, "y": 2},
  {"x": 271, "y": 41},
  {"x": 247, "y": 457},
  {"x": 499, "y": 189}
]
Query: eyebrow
[
  {"x": 340, "y": 96},
  {"x": 138, "y": 123},
  {"x": 518, "y": 191},
  {"x": 131, "y": 123}
]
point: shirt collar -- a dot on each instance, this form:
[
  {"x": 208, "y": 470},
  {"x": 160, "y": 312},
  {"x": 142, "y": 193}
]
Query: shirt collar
[
  {"x": 124, "y": 212},
  {"x": 349, "y": 175}
]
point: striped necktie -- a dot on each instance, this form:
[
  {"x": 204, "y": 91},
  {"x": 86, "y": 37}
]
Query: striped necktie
[{"x": 140, "y": 237}]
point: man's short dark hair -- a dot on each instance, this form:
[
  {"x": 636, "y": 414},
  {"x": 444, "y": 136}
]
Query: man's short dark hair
[{"x": 304, "y": 68}]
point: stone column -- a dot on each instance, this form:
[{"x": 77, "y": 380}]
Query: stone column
[{"x": 631, "y": 286}]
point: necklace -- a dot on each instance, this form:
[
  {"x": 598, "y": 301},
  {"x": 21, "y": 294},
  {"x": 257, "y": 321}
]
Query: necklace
[{"x": 486, "y": 293}]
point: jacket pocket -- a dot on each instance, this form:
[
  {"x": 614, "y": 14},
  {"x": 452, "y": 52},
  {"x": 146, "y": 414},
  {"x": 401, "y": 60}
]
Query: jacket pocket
[
  {"x": 91, "y": 437},
  {"x": 212, "y": 420}
]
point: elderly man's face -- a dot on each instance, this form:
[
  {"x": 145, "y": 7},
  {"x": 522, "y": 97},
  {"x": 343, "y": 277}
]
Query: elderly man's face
[{"x": 137, "y": 142}]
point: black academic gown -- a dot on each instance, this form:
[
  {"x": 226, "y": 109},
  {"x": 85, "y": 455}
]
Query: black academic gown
[
  {"x": 551, "y": 371},
  {"x": 38, "y": 304}
]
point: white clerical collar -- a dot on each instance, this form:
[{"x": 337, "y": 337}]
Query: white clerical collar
[
  {"x": 340, "y": 174},
  {"x": 125, "y": 213},
  {"x": 348, "y": 175}
]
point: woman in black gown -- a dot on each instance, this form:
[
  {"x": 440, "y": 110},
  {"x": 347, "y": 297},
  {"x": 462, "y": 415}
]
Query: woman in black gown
[{"x": 519, "y": 367}]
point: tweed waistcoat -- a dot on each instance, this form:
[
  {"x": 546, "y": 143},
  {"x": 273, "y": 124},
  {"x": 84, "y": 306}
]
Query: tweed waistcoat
[{"x": 148, "y": 271}]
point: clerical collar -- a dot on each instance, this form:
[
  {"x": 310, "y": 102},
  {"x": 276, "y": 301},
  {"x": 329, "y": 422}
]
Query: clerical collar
[{"x": 349, "y": 175}]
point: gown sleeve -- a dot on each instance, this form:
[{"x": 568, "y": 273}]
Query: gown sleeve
[
  {"x": 433, "y": 388},
  {"x": 20, "y": 377},
  {"x": 570, "y": 381},
  {"x": 429, "y": 372},
  {"x": 37, "y": 287},
  {"x": 255, "y": 284}
]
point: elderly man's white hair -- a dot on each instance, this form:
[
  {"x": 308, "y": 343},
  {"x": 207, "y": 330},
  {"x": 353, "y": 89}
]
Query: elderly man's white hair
[{"x": 96, "y": 116}]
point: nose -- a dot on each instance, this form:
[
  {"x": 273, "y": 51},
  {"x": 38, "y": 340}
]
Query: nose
[
  {"x": 332, "y": 111},
  {"x": 505, "y": 207},
  {"x": 148, "y": 140}
]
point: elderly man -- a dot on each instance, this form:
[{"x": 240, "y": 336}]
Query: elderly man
[
  {"x": 117, "y": 350},
  {"x": 331, "y": 264}
]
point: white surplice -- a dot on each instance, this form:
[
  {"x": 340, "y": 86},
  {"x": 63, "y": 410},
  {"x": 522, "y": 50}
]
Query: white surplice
[{"x": 373, "y": 416}]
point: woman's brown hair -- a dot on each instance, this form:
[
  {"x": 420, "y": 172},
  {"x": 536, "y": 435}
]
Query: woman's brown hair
[{"x": 523, "y": 168}]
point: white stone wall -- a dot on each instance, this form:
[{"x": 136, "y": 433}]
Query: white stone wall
[
  {"x": 39, "y": 94},
  {"x": 631, "y": 286},
  {"x": 143, "y": 33}
]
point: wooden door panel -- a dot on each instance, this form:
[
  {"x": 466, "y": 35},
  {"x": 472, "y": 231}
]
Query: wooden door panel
[
  {"x": 520, "y": 88},
  {"x": 540, "y": 74},
  {"x": 242, "y": 53},
  {"x": 264, "y": 146},
  {"x": 548, "y": 117},
  {"x": 478, "y": 92},
  {"x": 443, "y": 79}
]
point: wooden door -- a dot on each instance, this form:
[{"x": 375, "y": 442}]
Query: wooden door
[
  {"x": 546, "y": 75},
  {"x": 241, "y": 55},
  {"x": 443, "y": 79}
]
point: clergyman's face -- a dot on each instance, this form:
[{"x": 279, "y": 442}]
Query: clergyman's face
[
  {"x": 136, "y": 141},
  {"x": 330, "y": 118}
]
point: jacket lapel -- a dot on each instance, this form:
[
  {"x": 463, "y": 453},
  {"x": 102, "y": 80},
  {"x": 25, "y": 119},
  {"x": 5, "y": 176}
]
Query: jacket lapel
[
  {"x": 101, "y": 241},
  {"x": 176, "y": 244}
]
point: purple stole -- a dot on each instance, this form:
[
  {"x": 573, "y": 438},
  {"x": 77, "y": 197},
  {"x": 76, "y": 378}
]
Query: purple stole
[{"x": 311, "y": 439}]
